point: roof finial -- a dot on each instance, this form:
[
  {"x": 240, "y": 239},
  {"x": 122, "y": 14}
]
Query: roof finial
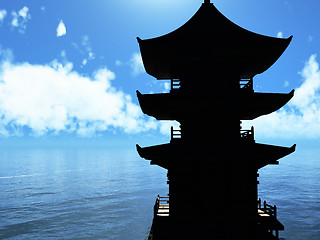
[{"x": 206, "y": 1}]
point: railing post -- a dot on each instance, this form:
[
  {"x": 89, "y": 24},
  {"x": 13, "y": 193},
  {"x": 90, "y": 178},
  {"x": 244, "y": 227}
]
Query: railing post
[
  {"x": 171, "y": 133},
  {"x": 252, "y": 132},
  {"x": 156, "y": 207}
]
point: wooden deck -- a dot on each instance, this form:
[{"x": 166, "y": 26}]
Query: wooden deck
[{"x": 268, "y": 218}]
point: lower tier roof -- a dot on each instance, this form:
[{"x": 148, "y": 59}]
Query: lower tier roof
[
  {"x": 177, "y": 153},
  {"x": 171, "y": 106}
]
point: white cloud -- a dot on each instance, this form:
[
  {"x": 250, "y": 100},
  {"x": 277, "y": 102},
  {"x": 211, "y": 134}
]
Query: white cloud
[
  {"x": 165, "y": 127},
  {"x": 3, "y": 14},
  {"x": 84, "y": 62},
  {"x": 300, "y": 118},
  {"x": 20, "y": 19},
  {"x": 280, "y": 35},
  {"x": 53, "y": 98},
  {"x": 23, "y": 12},
  {"x": 136, "y": 64},
  {"x": 14, "y": 22},
  {"x": 61, "y": 29}
]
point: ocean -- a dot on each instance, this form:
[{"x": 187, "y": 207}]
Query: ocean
[{"x": 100, "y": 193}]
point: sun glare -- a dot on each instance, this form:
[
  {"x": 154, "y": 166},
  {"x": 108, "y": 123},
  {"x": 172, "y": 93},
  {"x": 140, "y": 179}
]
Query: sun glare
[{"x": 162, "y": 4}]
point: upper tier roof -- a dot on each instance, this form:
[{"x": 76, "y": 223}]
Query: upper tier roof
[{"x": 210, "y": 41}]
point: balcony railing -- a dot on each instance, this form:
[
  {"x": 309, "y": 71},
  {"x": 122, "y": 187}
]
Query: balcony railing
[
  {"x": 161, "y": 207},
  {"x": 247, "y": 135},
  {"x": 246, "y": 84},
  {"x": 267, "y": 214},
  {"x": 268, "y": 218},
  {"x": 175, "y": 134},
  {"x": 175, "y": 84}
]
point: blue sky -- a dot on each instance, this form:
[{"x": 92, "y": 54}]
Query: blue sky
[{"x": 71, "y": 68}]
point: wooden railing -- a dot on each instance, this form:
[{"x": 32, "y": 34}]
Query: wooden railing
[
  {"x": 175, "y": 84},
  {"x": 175, "y": 134},
  {"x": 161, "y": 207},
  {"x": 247, "y": 134},
  {"x": 268, "y": 211},
  {"x": 246, "y": 84}
]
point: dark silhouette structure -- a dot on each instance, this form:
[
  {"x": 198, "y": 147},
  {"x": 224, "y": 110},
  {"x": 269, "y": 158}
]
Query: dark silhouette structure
[{"x": 212, "y": 163}]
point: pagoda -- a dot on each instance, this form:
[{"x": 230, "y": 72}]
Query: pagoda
[{"x": 212, "y": 163}]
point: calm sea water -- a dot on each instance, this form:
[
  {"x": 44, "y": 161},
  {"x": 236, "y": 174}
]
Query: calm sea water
[
  {"x": 294, "y": 187},
  {"x": 109, "y": 194}
]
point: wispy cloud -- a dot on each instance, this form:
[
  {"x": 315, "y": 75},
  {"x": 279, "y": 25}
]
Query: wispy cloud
[
  {"x": 3, "y": 14},
  {"x": 301, "y": 117},
  {"x": 61, "y": 29},
  {"x": 85, "y": 43},
  {"x": 85, "y": 49},
  {"x": 136, "y": 64},
  {"x": 20, "y": 19},
  {"x": 280, "y": 35},
  {"x": 43, "y": 9}
]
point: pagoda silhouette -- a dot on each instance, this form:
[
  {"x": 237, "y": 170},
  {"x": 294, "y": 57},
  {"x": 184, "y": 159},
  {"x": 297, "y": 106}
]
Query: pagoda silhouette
[{"x": 212, "y": 163}]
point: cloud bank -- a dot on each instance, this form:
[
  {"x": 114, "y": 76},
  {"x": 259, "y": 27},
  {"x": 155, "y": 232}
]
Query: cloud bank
[
  {"x": 300, "y": 118},
  {"x": 53, "y": 99}
]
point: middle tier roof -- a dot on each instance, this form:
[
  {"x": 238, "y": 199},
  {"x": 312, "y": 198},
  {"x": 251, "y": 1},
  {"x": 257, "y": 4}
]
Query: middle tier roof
[
  {"x": 174, "y": 105},
  {"x": 178, "y": 154}
]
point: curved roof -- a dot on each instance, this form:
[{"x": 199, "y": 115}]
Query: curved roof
[
  {"x": 178, "y": 154},
  {"x": 171, "y": 106},
  {"x": 210, "y": 41}
]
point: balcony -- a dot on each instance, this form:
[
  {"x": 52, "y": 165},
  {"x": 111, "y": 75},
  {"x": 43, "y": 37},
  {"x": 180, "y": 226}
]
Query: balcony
[
  {"x": 161, "y": 207},
  {"x": 267, "y": 216},
  {"x": 246, "y": 84},
  {"x": 247, "y": 135},
  {"x": 267, "y": 219}
]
